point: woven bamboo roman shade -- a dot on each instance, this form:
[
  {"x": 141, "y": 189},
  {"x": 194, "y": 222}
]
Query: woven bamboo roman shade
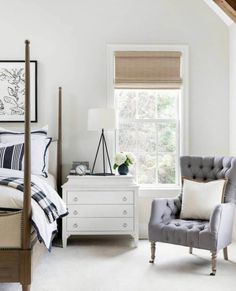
[{"x": 147, "y": 69}]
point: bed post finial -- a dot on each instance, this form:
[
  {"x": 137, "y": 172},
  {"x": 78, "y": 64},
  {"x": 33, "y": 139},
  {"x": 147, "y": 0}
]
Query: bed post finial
[{"x": 59, "y": 145}]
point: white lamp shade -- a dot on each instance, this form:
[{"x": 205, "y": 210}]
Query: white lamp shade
[{"x": 101, "y": 118}]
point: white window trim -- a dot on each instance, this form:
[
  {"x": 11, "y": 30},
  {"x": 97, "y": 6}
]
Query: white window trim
[{"x": 184, "y": 105}]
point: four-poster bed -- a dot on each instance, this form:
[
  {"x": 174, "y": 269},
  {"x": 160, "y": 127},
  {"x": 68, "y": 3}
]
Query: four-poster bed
[{"x": 19, "y": 253}]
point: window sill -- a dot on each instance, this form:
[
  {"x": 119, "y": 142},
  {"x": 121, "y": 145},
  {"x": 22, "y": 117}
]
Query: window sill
[{"x": 159, "y": 192}]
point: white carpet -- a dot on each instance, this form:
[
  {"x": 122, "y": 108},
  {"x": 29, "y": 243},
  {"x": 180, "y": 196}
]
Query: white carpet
[{"x": 108, "y": 264}]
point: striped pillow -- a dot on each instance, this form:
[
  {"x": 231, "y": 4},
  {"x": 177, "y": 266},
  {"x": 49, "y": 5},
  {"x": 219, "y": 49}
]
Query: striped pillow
[{"x": 11, "y": 156}]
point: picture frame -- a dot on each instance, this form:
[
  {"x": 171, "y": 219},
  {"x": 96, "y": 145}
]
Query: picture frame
[{"x": 12, "y": 86}]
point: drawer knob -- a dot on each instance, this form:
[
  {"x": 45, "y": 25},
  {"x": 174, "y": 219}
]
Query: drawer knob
[
  {"x": 124, "y": 199},
  {"x": 125, "y": 212},
  {"x": 76, "y": 199},
  {"x": 75, "y": 225},
  {"x": 124, "y": 225},
  {"x": 75, "y": 212}
]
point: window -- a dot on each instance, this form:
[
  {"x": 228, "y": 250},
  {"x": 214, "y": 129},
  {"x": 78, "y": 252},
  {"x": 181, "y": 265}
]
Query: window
[
  {"x": 147, "y": 96},
  {"x": 149, "y": 127}
]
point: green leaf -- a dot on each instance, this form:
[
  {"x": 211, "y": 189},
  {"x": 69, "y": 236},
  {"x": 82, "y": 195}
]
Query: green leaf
[
  {"x": 126, "y": 163},
  {"x": 115, "y": 166}
]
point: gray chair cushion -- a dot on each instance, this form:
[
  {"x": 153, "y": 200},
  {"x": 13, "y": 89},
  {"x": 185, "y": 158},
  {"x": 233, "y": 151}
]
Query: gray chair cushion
[
  {"x": 212, "y": 168},
  {"x": 192, "y": 233}
]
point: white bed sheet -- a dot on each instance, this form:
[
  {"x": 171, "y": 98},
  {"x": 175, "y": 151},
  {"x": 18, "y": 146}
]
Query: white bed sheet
[
  {"x": 13, "y": 198},
  {"x": 51, "y": 180}
]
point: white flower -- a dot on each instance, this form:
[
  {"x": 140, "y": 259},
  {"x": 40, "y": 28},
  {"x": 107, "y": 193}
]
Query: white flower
[
  {"x": 131, "y": 157},
  {"x": 120, "y": 158}
]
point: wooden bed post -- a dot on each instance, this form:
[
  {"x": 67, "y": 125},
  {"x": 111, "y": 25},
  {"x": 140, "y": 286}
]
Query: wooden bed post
[
  {"x": 27, "y": 155},
  {"x": 59, "y": 144},
  {"x": 16, "y": 264},
  {"x": 25, "y": 272}
]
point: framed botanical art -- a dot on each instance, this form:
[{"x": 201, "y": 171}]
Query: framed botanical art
[{"x": 12, "y": 91}]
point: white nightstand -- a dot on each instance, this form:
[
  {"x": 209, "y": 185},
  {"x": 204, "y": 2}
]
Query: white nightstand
[{"x": 100, "y": 205}]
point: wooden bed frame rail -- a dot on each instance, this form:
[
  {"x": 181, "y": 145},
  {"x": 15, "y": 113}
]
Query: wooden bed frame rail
[{"x": 16, "y": 264}]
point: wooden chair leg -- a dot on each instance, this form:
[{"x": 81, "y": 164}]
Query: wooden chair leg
[
  {"x": 26, "y": 287},
  {"x": 191, "y": 250},
  {"x": 213, "y": 263},
  {"x": 153, "y": 251},
  {"x": 225, "y": 251}
]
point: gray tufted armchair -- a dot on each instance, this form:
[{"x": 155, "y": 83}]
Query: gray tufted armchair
[{"x": 214, "y": 235}]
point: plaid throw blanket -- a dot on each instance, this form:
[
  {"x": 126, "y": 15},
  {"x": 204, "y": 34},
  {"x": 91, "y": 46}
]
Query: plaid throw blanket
[{"x": 37, "y": 194}]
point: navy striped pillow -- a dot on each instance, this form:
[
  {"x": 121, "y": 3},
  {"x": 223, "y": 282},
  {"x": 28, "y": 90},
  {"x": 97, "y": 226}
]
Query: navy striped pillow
[{"x": 11, "y": 156}]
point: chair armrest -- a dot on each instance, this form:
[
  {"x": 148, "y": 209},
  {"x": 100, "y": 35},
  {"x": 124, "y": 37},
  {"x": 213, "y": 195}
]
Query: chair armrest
[
  {"x": 163, "y": 209},
  {"x": 221, "y": 223}
]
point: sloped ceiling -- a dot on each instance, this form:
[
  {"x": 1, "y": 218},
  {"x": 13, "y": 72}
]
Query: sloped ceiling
[{"x": 228, "y": 6}]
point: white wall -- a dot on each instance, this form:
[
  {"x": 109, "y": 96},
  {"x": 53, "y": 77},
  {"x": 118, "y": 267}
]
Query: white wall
[
  {"x": 232, "y": 56},
  {"x": 232, "y": 123},
  {"x": 69, "y": 39}
]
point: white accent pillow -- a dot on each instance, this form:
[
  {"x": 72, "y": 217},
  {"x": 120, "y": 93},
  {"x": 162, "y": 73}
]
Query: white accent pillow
[
  {"x": 200, "y": 198},
  {"x": 10, "y": 136}
]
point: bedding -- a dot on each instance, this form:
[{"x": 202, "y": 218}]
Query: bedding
[
  {"x": 14, "y": 153},
  {"x": 39, "y": 156},
  {"x": 8, "y": 136},
  {"x": 39, "y": 147},
  {"x": 50, "y": 179},
  {"x": 49, "y": 208},
  {"x": 11, "y": 156},
  {"x": 11, "y": 198}
]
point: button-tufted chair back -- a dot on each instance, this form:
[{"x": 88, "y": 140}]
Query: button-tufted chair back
[{"x": 212, "y": 168}]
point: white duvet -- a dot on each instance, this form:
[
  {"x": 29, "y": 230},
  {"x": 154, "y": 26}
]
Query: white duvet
[{"x": 13, "y": 198}]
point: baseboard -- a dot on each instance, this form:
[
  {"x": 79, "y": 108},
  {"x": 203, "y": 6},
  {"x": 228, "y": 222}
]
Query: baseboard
[{"x": 143, "y": 231}]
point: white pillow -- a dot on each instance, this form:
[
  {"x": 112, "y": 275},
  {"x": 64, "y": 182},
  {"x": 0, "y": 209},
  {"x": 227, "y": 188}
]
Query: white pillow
[
  {"x": 200, "y": 198},
  {"x": 39, "y": 155},
  {"x": 10, "y": 136}
]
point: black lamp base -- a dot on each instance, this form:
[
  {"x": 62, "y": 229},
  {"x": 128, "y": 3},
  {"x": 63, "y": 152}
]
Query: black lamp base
[{"x": 102, "y": 141}]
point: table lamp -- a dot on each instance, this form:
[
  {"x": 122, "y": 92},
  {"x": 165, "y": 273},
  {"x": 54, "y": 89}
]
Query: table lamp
[{"x": 102, "y": 119}]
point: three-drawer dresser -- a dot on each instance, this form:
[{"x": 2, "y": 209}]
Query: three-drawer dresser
[{"x": 100, "y": 205}]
